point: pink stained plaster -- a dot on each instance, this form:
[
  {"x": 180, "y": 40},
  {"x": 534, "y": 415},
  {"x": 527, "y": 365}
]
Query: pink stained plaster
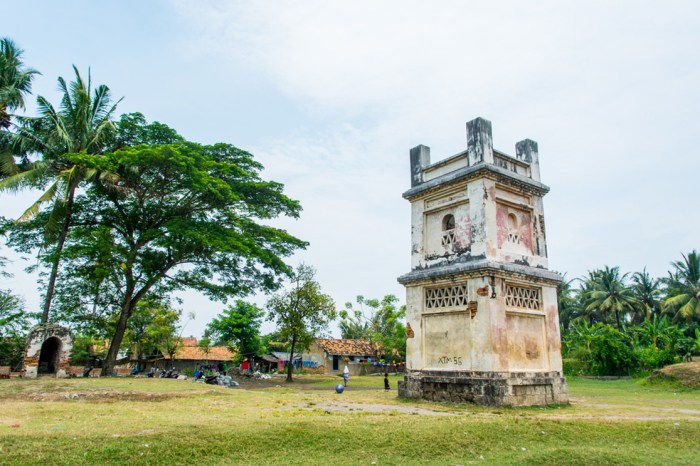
[
  {"x": 463, "y": 233},
  {"x": 502, "y": 224},
  {"x": 525, "y": 230}
]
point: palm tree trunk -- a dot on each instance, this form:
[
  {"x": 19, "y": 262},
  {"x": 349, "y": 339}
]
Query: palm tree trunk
[
  {"x": 617, "y": 317},
  {"x": 57, "y": 257}
]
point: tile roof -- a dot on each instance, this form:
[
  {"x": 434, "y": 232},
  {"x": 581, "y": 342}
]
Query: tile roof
[
  {"x": 338, "y": 346},
  {"x": 191, "y": 352},
  {"x": 282, "y": 356}
]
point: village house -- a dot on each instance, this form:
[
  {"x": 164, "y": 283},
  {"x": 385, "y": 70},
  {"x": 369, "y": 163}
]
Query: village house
[{"x": 331, "y": 355}]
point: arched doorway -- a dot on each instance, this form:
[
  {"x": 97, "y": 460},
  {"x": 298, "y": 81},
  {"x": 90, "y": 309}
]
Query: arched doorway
[{"x": 49, "y": 356}]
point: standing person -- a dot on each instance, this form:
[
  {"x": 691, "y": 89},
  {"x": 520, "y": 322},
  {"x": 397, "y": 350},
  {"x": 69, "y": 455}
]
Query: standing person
[
  {"x": 386, "y": 381},
  {"x": 346, "y": 375}
]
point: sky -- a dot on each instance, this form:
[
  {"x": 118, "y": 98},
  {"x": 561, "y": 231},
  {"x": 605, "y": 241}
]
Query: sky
[{"x": 330, "y": 97}]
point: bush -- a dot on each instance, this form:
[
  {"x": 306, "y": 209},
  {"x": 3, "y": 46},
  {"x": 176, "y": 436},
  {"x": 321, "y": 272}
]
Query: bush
[
  {"x": 653, "y": 358},
  {"x": 574, "y": 367},
  {"x": 80, "y": 354},
  {"x": 611, "y": 354},
  {"x": 12, "y": 351}
]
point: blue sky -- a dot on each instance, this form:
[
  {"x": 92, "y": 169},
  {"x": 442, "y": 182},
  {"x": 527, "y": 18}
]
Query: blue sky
[{"x": 330, "y": 97}]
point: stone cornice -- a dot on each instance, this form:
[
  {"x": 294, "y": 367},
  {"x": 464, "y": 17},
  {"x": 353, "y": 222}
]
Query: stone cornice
[
  {"x": 482, "y": 169},
  {"x": 481, "y": 268}
]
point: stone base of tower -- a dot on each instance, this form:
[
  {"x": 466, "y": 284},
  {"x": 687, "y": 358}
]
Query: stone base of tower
[{"x": 487, "y": 388}]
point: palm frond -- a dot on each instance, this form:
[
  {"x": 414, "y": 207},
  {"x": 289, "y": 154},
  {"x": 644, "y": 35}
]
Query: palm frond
[{"x": 34, "y": 209}]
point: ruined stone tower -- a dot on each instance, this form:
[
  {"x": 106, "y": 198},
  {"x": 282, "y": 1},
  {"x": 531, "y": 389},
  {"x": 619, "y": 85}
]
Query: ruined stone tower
[{"x": 482, "y": 317}]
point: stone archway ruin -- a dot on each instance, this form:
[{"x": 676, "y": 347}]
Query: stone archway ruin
[{"x": 48, "y": 351}]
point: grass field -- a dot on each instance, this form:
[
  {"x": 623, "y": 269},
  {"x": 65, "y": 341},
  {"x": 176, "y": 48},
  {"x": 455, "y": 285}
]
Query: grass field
[{"x": 158, "y": 421}]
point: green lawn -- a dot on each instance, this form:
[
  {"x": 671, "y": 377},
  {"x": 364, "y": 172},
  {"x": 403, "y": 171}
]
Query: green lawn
[{"x": 158, "y": 421}]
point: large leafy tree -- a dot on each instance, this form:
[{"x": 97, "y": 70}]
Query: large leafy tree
[
  {"x": 301, "y": 313},
  {"x": 15, "y": 80},
  {"x": 607, "y": 293},
  {"x": 683, "y": 284},
  {"x": 81, "y": 124},
  {"x": 173, "y": 217}
]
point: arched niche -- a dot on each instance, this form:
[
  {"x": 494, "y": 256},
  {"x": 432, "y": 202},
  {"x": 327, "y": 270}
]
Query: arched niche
[{"x": 49, "y": 356}]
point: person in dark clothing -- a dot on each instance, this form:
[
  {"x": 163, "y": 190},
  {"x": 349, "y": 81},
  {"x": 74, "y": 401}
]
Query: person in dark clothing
[{"x": 386, "y": 381}]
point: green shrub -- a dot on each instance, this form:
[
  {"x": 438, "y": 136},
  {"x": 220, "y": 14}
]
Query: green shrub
[
  {"x": 12, "y": 351},
  {"x": 654, "y": 358},
  {"x": 611, "y": 353},
  {"x": 574, "y": 367},
  {"x": 80, "y": 353}
]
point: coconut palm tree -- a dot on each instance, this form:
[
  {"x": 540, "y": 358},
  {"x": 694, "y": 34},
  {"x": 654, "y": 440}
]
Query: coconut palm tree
[
  {"x": 82, "y": 124},
  {"x": 684, "y": 288},
  {"x": 568, "y": 306},
  {"x": 15, "y": 80},
  {"x": 15, "y": 84},
  {"x": 608, "y": 293},
  {"x": 647, "y": 291}
]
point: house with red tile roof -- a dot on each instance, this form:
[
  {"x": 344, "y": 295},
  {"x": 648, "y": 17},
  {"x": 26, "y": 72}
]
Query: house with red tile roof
[{"x": 332, "y": 354}]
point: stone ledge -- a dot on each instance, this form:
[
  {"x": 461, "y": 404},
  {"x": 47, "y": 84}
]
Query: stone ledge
[
  {"x": 486, "y": 267},
  {"x": 487, "y": 388}
]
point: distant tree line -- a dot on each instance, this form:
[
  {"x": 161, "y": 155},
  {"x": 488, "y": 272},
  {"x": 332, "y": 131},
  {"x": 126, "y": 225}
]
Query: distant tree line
[{"x": 620, "y": 324}]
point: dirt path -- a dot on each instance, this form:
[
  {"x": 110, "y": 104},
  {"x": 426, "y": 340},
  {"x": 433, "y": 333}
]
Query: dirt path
[{"x": 373, "y": 408}]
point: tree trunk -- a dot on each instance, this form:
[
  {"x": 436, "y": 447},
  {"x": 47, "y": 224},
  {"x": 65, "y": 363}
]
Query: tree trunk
[
  {"x": 290, "y": 367},
  {"x": 108, "y": 365},
  {"x": 59, "y": 249},
  {"x": 617, "y": 317}
]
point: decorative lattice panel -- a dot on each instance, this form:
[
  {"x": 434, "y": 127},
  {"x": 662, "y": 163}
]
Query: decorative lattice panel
[
  {"x": 449, "y": 296},
  {"x": 523, "y": 298},
  {"x": 514, "y": 238},
  {"x": 448, "y": 238}
]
